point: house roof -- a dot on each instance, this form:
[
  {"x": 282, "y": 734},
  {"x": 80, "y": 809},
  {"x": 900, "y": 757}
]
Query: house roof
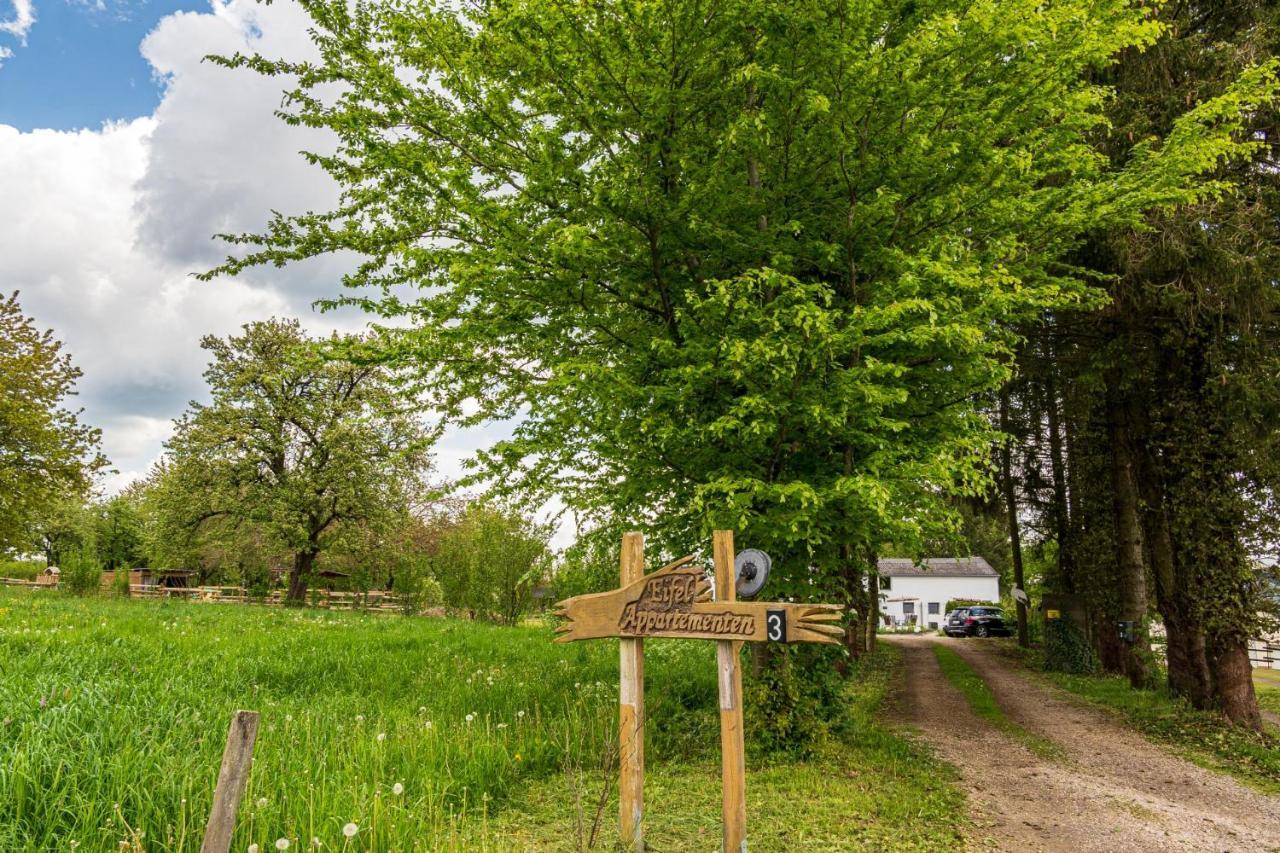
[{"x": 940, "y": 567}]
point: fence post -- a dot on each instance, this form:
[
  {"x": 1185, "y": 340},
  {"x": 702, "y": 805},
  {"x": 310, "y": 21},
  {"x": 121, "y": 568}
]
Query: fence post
[{"x": 232, "y": 778}]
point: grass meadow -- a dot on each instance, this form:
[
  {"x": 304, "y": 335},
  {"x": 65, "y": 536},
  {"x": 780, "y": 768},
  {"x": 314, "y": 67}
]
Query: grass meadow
[{"x": 425, "y": 734}]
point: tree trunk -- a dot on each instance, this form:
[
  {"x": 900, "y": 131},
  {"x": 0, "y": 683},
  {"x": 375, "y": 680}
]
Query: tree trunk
[
  {"x": 1132, "y": 587},
  {"x": 1233, "y": 682},
  {"x": 855, "y": 599},
  {"x": 1062, "y": 511},
  {"x": 299, "y": 576},
  {"x": 873, "y": 603},
  {"x": 1011, "y": 510}
]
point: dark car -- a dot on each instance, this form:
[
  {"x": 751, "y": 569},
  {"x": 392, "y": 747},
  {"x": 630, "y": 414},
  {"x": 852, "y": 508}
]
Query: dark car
[{"x": 977, "y": 622}]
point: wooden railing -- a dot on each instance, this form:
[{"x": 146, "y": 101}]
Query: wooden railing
[{"x": 375, "y": 600}]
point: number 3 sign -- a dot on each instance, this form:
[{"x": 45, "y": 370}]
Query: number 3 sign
[{"x": 776, "y": 624}]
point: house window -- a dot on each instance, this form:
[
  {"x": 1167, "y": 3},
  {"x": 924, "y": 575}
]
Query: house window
[
  {"x": 934, "y": 608},
  {"x": 933, "y": 625},
  {"x": 885, "y": 583},
  {"x": 908, "y": 608}
]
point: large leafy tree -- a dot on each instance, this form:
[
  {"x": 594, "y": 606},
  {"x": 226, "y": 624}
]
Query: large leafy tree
[
  {"x": 1149, "y": 441},
  {"x": 294, "y": 445},
  {"x": 46, "y": 454},
  {"x": 740, "y": 263}
]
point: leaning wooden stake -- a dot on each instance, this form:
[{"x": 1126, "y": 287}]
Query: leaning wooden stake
[
  {"x": 236, "y": 760},
  {"x": 732, "y": 752},
  {"x": 631, "y": 711}
]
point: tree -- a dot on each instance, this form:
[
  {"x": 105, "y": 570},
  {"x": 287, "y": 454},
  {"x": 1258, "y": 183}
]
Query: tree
[
  {"x": 119, "y": 531},
  {"x": 295, "y": 444},
  {"x": 489, "y": 561},
  {"x": 1161, "y": 405},
  {"x": 752, "y": 265},
  {"x": 46, "y": 454}
]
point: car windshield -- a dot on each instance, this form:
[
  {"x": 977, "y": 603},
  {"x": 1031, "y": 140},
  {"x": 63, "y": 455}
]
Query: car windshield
[{"x": 985, "y": 611}]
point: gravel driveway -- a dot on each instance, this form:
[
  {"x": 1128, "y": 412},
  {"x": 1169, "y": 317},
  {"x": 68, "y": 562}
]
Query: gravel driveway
[{"x": 1115, "y": 791}]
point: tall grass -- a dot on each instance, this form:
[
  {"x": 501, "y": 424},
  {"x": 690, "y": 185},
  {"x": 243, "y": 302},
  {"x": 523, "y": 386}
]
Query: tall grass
[{"x": 113, "y": 716}]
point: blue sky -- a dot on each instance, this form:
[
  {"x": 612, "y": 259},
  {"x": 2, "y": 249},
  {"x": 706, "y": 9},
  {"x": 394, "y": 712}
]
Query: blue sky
[{"x": 81, "y": 64}]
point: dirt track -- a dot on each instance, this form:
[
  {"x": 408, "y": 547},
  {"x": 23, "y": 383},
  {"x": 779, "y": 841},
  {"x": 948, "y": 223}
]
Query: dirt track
[{"x": 1115, "y": 791}]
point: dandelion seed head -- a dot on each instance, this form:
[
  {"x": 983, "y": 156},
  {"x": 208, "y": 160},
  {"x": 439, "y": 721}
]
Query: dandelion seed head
[
  {"x": 350, "y": 830},
  {"x": 282, "y": 844},
  {"x": 397, "y": 789}
]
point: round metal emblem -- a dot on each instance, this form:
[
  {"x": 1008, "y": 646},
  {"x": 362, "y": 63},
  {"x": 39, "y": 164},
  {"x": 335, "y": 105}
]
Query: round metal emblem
[{"x": 752, "y": 569}]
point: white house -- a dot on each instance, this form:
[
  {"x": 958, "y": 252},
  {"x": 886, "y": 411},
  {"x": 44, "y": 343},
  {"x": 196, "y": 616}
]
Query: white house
[{"x": 912, "y": 593}]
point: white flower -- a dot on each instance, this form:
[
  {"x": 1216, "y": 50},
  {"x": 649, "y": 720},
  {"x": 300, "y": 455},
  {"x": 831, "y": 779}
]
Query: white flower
[
  {"x": 253, "y": 848},
  {"x": 315, "y": 842},
  {"x": 382, "y": 736},
  {"x": 359, "y": 718},
  {"x": 288, "y": 718},
  {"x": 427, "y": 724},
  {"x": 262, "y": 802},
  {"x": 350, "y": 830},
  {"x": 502, "y": 725},
  {"x": 422, "y": 709},
  {"x": 282, "y": 844},
  {"x": 470, "y": 717},
  {"x": 519, "y": 715},
  {"x": 397, "y": 789}
]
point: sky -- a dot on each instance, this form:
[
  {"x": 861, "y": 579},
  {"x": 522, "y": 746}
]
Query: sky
[{"x": 121, "y": 154}]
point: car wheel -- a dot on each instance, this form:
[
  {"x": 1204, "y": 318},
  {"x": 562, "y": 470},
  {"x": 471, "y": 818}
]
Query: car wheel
[{"x": 982, "y": 631}]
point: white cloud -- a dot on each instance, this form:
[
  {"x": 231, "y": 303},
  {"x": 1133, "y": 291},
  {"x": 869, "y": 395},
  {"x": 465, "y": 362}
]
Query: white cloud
[
  {"x": 101, "y": 229},
  {"x": 24, "y": 15}
]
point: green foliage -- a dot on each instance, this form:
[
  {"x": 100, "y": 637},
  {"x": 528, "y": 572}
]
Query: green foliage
[
  {"x": 795, "y": 699},
  {"x": 590, "y": 564},
  {"x": 1066, "y": 649},
  {"x": 81, "y": 572},
  {"x": 297, "y": 447},
  {"x": 46, "y": 454},
  {"x": 953, "y": 603},
  {"x": 25, "y": 570},
  {"x": 118, "y": 531},
  {"x": 489, "y": 562},
  {"x": 120, "y": 583},
  {"x": 750, "y": 270}
]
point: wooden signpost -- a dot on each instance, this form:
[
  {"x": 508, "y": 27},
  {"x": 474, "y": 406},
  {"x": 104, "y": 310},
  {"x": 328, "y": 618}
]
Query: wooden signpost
[{"x": 676, "y": 601}]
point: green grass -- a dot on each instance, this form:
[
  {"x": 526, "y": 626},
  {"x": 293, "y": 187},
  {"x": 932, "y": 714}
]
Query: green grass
[
  {"x": 1201, "y": 737},
  {"x": 984, "y": 704},
  {"x": 113, "y": 716}
]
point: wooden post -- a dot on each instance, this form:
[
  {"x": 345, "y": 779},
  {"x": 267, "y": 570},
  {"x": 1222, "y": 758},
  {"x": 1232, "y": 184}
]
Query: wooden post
[
  {"x": 631, "y": 711},
  {"x": 732, "y": 752},
  {"x": 236, "y": 760}
]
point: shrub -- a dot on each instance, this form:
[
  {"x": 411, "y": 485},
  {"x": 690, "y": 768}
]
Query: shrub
[
  {"x": 1066, "y": 649},
  {"x": 489, "y": 563},
  {"x": 968, "y": 602},
  {"x": 26, "y": 570},
  {"x": 81, "y": 572}
]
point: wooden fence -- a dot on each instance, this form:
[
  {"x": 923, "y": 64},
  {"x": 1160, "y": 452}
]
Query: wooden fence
[{"x": 374, "y": 601}]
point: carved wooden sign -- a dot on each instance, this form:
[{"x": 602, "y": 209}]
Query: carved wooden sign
[{"x": 675, "y": 601}]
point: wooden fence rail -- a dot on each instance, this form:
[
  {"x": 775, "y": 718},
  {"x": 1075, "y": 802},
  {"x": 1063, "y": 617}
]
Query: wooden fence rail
[{"x": 374, "y": 600}]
